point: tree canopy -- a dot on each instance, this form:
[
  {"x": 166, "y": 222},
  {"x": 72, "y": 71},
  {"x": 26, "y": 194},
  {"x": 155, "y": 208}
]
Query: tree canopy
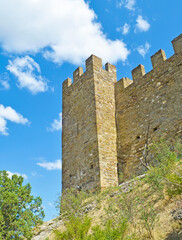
[{"x": 19, "y": 210}]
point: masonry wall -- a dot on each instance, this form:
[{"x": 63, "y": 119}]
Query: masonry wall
[
  {"x": 89, "y": 130},
  {"x": 150, "y": 105},
  {"x": 106, "y": 123},
  {"x": 79, "y": 135}
]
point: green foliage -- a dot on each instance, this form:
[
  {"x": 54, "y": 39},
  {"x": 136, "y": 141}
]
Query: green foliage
[
  {"x": 109, "y": 232},
  {"x": 19, "y": 210},
  {"x": 164, "y": 175},
  {"x": 174, "y": 181},
  {"x": 76, "y": 229},
  {"x": 77, "y": 223},
  {"x": 135, "y": 207},
  {"x": 71, "y": 202},
  {"x": 148, "y": 218}
]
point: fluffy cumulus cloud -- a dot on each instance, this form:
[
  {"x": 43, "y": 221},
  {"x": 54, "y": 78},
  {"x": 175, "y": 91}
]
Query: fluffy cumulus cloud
[
  {"x": 129, "y": 4},
  {"x": 28, "y": 75},
  {"x": 141, "y": 24},
  {"x": 63, "y": 30},
  {"x": 56, "y": 125},
  {"x": 10, "y": 174},
  {"x": 143, "y": 49},
  {"x": 56, "y": 165},
  {"x": 9, "y": 114}
]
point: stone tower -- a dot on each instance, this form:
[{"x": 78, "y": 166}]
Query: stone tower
[{"x": 89, "y": 127}]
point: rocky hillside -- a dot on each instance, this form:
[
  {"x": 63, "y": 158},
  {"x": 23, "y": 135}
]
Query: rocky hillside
[
  {"x": 146, "y": 207},
  {"x": 168, "y": 222}
]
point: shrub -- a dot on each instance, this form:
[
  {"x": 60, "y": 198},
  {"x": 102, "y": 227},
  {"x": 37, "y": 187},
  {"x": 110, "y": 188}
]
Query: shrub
[
  {"x": 109, "y": 232},
  {"x": 76, "y": 229},
  {"x": 164, "y": 174}
]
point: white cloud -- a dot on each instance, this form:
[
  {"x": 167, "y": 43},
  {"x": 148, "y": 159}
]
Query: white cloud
[
  {"x": 66, "y": 28},
  {"x": 3, "y": 128},
  {"x": 9, "y": 114},
  {"x": 129, "y": 4},
  {"x": 144, "y": 49},
  {"x": 125, "y": 29},
  {"x": 4, "y": 81},
  {"x": 142, "y": 25},
  {"x": 5, "y": 85},
  {"x": 56, "y": 124},
  {"x": 51, "y": 165},
  {"x": 28, "y": 72},
  {"x": 10, "y": 174}
]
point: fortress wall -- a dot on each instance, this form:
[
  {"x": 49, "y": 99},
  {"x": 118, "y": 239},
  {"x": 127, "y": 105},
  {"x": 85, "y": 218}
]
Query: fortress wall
[
  {"x": 79, "y": 134},
  {"x": 106, "y": 123},
  {"x": 151, "y": 104}
]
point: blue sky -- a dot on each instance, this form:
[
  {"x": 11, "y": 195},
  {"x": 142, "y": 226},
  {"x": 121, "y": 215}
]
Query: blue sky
[{"x": 41, "y": 43}]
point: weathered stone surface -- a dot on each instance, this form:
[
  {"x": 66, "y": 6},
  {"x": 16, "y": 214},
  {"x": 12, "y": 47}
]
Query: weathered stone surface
[
  {"x": 89, "y": 128},
  {"x": 177, "y": 214},
  {"x": 151, "y": 104},
  {"x": 105, "y": 122}
]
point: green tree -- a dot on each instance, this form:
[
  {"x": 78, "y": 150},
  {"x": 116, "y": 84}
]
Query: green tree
[{"x": 19, "y": 210}]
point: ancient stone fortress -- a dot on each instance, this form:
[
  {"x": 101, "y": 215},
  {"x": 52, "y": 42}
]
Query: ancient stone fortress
[{"x": 106, "y": 122}]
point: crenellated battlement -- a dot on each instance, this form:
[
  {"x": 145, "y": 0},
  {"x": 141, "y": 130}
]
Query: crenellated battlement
[
  {"x": 177, "y": 43},
  {"x": 77, "y": 74},
  {"x": 138, "y": 72},
  {"x": 94, "y": 64},
  {"x": 157, "y": 60},
  {"x": 105, "y": 121}
]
